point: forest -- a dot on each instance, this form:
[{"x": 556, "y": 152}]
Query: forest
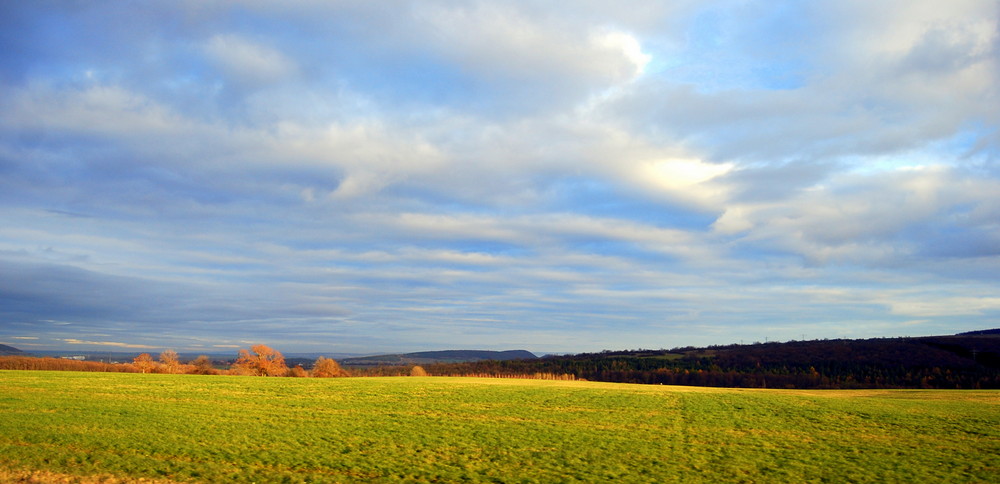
[{"x": 968, "y": 361}]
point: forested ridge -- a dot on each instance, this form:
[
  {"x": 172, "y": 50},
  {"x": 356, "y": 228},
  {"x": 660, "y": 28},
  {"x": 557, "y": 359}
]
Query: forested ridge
[
  {"x": 428, "y": 357},
  {"x": 961, "y": 361}
]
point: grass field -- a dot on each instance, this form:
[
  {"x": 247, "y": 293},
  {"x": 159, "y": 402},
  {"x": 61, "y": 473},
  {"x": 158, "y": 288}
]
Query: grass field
[{"x": 250, "y": 429}]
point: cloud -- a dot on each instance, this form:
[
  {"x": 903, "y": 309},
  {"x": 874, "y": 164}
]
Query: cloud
[
  {"x": 530, "y": 57},
  {"x": 316, "y": 174},
  {"x": 686, "y": 181},
  {"x": 883, "y": 219},
  {"x": 247, "y": 62},
  {"x": 97, "y": 110},
  {"x": 117, "y": 344},
  {"x": 893, "y": 78},
  {"x": 953, "y": 306}
]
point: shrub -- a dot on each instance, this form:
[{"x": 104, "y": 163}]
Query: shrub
[
  {"x": 202, "y": 365},
  {"x": 327, "y": 368}
]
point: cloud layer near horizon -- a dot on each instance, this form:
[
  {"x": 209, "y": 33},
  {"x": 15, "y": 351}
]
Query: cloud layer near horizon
[{"x": 357, "y": 177}]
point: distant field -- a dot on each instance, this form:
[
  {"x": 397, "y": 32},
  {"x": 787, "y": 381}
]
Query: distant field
[{"x": 250, "y": 429}]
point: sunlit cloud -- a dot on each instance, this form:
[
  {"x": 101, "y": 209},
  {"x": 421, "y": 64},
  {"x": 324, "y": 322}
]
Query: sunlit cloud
[{"x": 117, "y": 344}]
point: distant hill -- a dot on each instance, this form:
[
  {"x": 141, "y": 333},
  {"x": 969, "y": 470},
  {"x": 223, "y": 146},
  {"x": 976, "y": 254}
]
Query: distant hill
[
  {"x": 9, "y": 350},
  {"x": 981, "y": 332},
  {"x": 429, "y": 357}
]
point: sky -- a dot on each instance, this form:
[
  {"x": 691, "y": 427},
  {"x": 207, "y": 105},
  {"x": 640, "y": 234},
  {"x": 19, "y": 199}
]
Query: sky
[{"x": 365, "y": 177}]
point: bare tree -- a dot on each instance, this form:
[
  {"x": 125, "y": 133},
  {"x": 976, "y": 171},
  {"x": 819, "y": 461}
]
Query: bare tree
[
  {"x": 169, "y": 360},
  {"x": 202, "y": 365}
]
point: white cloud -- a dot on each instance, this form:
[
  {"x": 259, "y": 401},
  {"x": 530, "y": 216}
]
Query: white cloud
[
  {"x": 627, "y": 44},
  {"x": 734, "y": 219},
  {"x": 246, "y": 61},
  {"x": 98, "y": 109},
  {"x": 369, "y": 155},
  {"x": 504, "y": 40},
  {"x": 880, "y": 79},
  {"x": 895, "y": 28},
  {"x": 883, "y": 218},
  {"x": 74, "y": 341},
  {"x": 685, "y": 180},
  {"x": 922, "y": 306}
]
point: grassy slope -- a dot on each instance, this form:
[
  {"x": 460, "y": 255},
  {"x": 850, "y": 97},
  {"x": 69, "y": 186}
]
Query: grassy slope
[{"x": 242, "y": 429}]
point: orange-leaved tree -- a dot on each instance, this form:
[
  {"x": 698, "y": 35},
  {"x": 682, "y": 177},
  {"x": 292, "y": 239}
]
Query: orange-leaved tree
[
  {"x": 327, "y": 368},
  {"x": 262, "y": 360},
  {"x": 144, "y": 362}
]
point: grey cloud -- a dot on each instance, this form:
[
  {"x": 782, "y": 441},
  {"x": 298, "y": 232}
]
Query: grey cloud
[
  {"x": 890, "y": 219},
  {"x": 776, "y": 181},
  {"x": 66, "y": 292},
  {"x": 812, "y": 123},
  {"x": 940, "y": 53}
]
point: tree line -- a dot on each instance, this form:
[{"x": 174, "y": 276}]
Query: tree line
[
  {"x": 962, "y": 361},
  {"x": 932, "y": 362},
  {"x": 259, "y": 360}
]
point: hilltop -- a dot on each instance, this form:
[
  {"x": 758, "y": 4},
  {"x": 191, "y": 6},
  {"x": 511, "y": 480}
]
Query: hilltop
[
  {"x": 981, "y": 332},
  {"x": 9, "y": 350},
  {"x": 430, "y": 357}
]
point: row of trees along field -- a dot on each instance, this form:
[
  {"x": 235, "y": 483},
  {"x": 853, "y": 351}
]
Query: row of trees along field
[
  {"x": 930, "y": 362},
  {"x": 259, "y": 360},
  {"x": 960, "y": 361}
]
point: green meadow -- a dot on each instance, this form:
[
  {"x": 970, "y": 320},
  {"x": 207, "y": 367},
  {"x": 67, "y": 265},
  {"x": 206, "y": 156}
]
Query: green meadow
[{"x": 188, "y": 428}]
